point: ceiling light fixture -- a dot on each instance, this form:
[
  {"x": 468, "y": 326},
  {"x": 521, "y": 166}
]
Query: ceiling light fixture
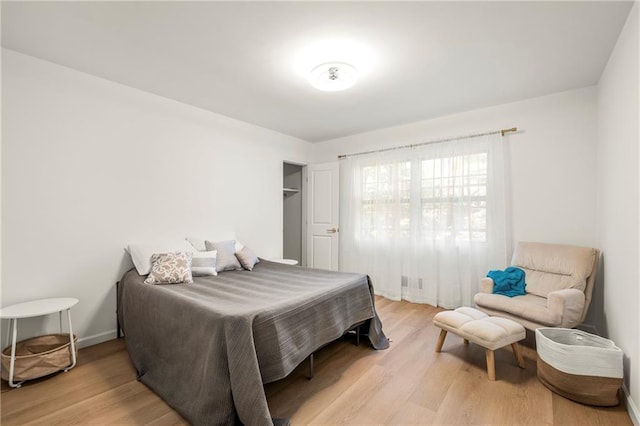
[{"x": 333, "y": 76}]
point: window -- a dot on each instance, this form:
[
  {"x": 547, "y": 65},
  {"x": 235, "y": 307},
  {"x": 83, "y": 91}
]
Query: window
[
  {"x": 426, "y": 222},
  {"x": 386, "y": 201},
  {"x": 454, "y": 198},
  {"x": 441, "y": 198}
]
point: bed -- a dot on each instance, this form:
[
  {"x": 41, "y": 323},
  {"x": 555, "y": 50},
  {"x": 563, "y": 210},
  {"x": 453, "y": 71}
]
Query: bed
[{"x": 208, "y": 347}]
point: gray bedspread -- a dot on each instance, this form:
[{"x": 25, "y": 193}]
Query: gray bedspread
[{"x": 207, "y": 348}]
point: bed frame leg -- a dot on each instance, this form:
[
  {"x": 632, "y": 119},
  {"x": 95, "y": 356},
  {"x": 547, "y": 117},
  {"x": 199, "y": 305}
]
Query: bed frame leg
[
  {"x": 118, "y": 332},
  {"x": 310, "y": 375},
  {"x": 358, "y": 336}
]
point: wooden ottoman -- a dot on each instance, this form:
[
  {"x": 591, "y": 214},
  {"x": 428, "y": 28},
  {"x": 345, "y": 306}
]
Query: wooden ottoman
[{"x": 489, "y": 332}]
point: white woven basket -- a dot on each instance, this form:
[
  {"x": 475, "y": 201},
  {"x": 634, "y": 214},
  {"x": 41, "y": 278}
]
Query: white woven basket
[
  {"x": 578, "y": 365},
  {"x": 576, "y": 352}
]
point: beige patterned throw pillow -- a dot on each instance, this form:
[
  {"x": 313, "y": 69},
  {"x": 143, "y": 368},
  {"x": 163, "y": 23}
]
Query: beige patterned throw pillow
[{"x": 170, "y": 268}]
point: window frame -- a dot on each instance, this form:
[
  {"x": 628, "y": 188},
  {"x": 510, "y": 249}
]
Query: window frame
[{"x": 477, "y": 201}]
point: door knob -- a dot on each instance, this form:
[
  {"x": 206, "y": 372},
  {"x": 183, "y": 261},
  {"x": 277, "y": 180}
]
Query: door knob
[{"x": 332, "y": 230}]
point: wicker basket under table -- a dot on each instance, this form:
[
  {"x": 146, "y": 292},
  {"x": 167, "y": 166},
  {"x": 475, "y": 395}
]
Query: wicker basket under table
[{"x": 39, "y": 356}]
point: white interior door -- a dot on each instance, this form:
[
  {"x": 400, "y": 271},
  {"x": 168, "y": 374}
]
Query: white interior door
[{"x": 322, "y": 216}]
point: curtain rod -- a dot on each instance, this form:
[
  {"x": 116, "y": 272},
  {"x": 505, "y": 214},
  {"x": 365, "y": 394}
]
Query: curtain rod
[{"x": 493, "y": 132}]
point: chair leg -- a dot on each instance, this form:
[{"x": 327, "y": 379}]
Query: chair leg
[
  {"x": 518, "y": 354},
  {"x": 443, "y": 335},
  {"x": 491, "y": 365}
]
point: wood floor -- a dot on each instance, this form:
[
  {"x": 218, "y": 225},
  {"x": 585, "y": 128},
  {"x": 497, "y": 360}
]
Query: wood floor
[{"x": 406, "y": 384}]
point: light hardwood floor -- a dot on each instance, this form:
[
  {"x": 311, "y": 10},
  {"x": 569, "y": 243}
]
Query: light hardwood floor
[{"x": 407, "y": 384}]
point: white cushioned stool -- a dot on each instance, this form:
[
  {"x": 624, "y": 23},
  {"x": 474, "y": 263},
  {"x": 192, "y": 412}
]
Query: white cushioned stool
[{"x": 489, "y": 332}]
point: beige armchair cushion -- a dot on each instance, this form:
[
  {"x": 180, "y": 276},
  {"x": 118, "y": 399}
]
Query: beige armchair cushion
[
  {"x": 529, "y": 306},
  {"x": 551, "y": 267},
  {"x": 562, "y": 309}
]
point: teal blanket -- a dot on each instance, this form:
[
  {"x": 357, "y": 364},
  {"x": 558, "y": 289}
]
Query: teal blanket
[{"x": 509, "y": 282}]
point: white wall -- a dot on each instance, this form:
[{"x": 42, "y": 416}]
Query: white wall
[
  {"x": 553, "y": 159},
  {"x": 89, "y": 165},
  {"x": 618, "y": 213}
]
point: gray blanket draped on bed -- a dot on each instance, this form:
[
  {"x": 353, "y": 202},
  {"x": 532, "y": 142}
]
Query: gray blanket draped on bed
[{"x": 207, "y": 348}]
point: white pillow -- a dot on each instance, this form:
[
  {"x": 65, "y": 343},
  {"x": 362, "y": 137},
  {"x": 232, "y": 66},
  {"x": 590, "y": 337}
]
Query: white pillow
[
  {"x": 199, "y": 243},
  {"x": 204, "y": 263},
  {"x": 226, "y": 259},
  {"x": 141, "y": 252}
]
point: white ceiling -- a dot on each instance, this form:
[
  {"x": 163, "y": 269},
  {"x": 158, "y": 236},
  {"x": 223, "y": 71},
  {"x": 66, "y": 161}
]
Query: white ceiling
[{"x": 423, "y": 59}]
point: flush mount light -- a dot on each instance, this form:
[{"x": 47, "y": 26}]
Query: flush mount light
[{"x": 333, "y": 76}]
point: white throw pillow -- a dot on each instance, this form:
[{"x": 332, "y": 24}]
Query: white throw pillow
[
  {"x": 141, "y": 252},
  {"x": 199, "y": 243},
  {"x": 226, "y": 256},
  {"x": 204, "y": 263}
]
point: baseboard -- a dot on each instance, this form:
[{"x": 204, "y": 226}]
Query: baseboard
[
  {"x": 96, "y": 338},
  {"x": 632, "y": 408}
]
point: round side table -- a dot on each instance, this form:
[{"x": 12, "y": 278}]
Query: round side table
[{"x": 36, "y": 308}]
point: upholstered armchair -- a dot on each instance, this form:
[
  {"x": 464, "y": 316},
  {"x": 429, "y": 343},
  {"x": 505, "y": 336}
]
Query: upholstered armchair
[{"x": 559, "y": 282}]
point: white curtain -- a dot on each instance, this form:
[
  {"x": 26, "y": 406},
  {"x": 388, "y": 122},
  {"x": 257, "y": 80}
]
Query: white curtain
[{"x": 426, "y": 223}]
